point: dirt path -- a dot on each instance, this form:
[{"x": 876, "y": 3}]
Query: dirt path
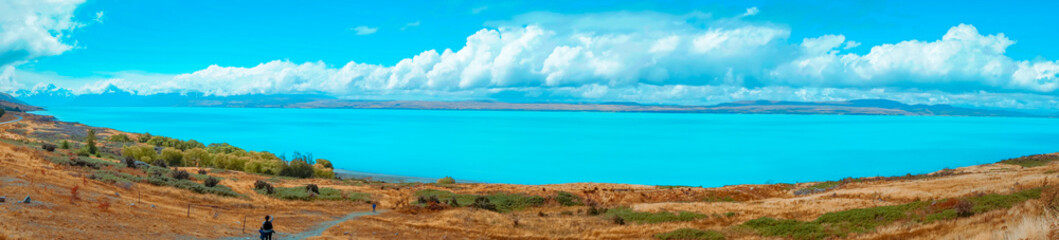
[
  {"x": 315, "y": 231},
  {"x": 12, "y": 121}
]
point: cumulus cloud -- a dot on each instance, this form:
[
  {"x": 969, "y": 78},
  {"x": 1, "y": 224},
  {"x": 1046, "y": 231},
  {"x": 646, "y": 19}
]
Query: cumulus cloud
[
  {"x": 851, "y": 44},
  {"x": 751, "y": 12},
  {"x": 30, "y": 30},
  {"x": 365, "y": 30},
  {"x": 652, "y": 58},
  {"x": 962, "y": 60}
]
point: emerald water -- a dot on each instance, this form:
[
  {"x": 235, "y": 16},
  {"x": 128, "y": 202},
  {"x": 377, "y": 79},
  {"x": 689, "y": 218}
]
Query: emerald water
[{"x": 528, "y": 147}]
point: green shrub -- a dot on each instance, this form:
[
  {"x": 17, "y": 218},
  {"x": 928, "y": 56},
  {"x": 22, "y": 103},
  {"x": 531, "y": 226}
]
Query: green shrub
[
  {"x": 300, "y": 167},
  {"x": 446, "y": 180},
  {"x": 646, "y": 217},
  {"x": 568, "y": 199},
  {"x": 689, "y": 233},
  {"x": 173, "y": 157}
]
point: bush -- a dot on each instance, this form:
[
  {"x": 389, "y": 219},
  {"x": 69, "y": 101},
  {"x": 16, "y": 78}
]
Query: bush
[
  {"x": 261, "y": 184},
  {"x": 482, "y": 202},
  {"x": 454, "y": 202},
  {"x": 160, "y": 163},
  {"x": 64, "y": 145},
  {"x": 84, "y": 152},
  {"x": 202, "y": 171},
  {"x": 181, "y": 175},
  {"x": 688, "y": 233},
  {"x": 130, "y": 162},
  {"x": 618, "y": 220},
  {"x": 312, "y": 188},
  {"x": 173, "y": 157},
  {"x": 197, "y": 157},
  {"x": 446, "y": 180},
  {"x": 48, "y": 147},
  {"x": 211, "y": 182},
  {"x": 299, "y": 167},
  {"x": 568, "y": 199}
]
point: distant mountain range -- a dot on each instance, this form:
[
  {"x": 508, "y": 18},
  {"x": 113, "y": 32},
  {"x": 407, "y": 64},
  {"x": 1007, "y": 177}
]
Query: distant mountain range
[
  {"x": 9, "y": 103},
  {"x": 51, "y": 96}
]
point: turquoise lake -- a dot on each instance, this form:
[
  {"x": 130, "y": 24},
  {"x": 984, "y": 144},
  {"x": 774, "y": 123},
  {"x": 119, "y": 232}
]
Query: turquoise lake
[{"x": 526, "y": 147}]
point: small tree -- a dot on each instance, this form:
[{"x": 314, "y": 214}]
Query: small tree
[
  {"x": 173, "y": 156},
  {"x": 65, "y": 145},
  {"x": 90, "y": 142}
]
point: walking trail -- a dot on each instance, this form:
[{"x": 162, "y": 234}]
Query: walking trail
[
  {"x": 312, "y": 232},
  {"x": 16, "y": 120}
]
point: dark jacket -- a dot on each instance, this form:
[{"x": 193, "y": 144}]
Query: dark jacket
[{"x": 267, "y": 225}]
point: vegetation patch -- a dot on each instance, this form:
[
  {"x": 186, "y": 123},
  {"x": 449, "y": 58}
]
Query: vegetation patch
[
  {"x": 307, "y": 194},
  {"x": 862, "y": 220},
  {"x": 1032, "y": 160},
  {"x": 647, "y": 217},
  {"x": 690, "y": 233},
  {"x": 503, "y": 202},
  {"x": 819, "y": 187},
  {"x": 568, "y": 199}
]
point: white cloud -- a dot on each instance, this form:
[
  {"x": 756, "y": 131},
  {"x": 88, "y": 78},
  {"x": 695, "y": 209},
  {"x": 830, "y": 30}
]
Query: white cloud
[
  {"x": 962, "y": 60},
  {"x": 365, "y": 30},
  {"x": 99, "y": 17},
  {"x": 653, "y": 58},
  {"x": 410, "y": 25},
  {"x": 851, "y": 44},
  {"x": 479, "y": 9},
  {"x": 751, "y": 12},
  {"x": 30, "y": 30}
]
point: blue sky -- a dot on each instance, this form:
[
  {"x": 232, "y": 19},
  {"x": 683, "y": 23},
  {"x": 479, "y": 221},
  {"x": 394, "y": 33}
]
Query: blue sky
[{"x": 1000, "y": 54}]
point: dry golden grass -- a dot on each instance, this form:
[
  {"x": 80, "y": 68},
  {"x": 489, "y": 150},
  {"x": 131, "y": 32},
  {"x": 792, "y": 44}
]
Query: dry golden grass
[{"x": 25, "y": 171}]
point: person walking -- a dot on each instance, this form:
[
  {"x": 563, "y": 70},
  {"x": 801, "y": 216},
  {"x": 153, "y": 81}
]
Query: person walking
[
  {"x": 373, "y": 206},
  {"x": 266, "y": 228}
]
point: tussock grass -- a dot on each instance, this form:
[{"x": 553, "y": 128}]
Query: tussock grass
[{"x": 648, "y": 217}]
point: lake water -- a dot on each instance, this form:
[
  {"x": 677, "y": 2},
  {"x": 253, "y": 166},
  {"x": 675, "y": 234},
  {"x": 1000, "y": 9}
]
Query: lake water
[{"x": 561, "y": 147}]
